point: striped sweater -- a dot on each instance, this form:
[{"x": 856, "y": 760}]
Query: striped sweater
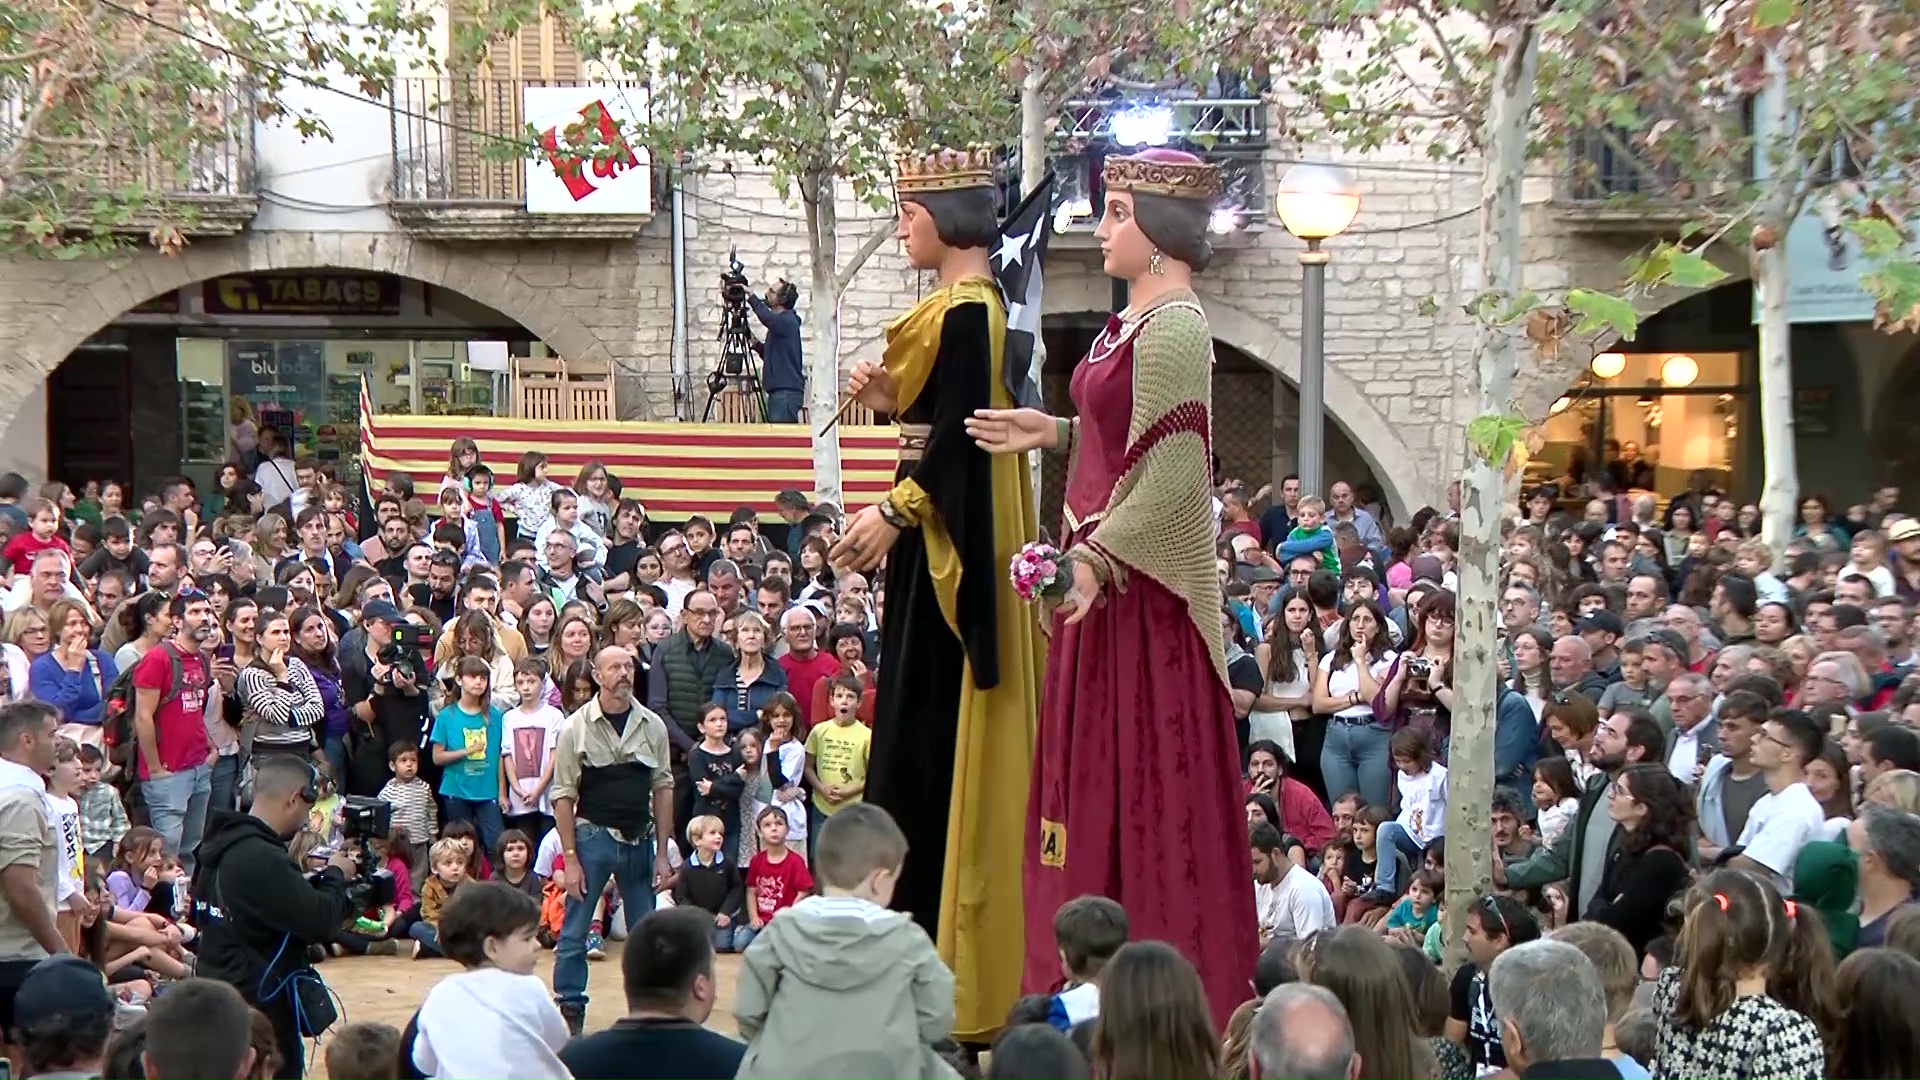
[{"x": 285, "y": 711}]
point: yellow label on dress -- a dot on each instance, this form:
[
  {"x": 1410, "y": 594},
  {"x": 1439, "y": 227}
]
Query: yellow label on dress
[{"x": 1053, "y": 844}]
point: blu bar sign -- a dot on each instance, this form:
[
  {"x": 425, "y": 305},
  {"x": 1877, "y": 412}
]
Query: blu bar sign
[{"x": 303, "y": 293}]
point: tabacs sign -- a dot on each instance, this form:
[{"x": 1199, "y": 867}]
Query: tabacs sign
[
  {"x": 303, "y": 293},
  {"x": 586, "y": 165}
]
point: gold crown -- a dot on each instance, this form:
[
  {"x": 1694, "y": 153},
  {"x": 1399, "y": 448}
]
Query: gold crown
[
  {"x": 944, "y": 170},
  {"x": 1174, "y": 179}
]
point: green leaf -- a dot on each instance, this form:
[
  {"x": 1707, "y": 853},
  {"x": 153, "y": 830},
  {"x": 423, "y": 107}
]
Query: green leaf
[
  {"x": 1493, "y": 437},
  {"x": 1687, "y": 270},
  {"x": 1878, "y": 238},
  {"x": 1599, "y": 311},
  {"x": 1768, "y": 14}
]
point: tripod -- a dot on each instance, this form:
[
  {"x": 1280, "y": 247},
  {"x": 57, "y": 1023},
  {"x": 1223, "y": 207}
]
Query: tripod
[{"x": 737, "y": 376}]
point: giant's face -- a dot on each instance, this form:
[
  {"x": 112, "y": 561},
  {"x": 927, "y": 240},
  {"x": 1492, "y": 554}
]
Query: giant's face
[
  {"x": 1126, "y": 249},
  {"x": 919, "y": 236}
]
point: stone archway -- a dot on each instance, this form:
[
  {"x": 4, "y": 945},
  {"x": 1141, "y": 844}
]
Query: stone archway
[{"x": 89, "y": 296}]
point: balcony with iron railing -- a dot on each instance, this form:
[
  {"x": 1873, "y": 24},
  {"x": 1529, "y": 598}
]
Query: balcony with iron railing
[
  {"x": 462, "y": 159},
  {"x": 1231, "y": 132},
  {"x": 209, "y": 190}
]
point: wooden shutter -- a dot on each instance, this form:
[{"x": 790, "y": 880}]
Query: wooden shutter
[{"x": 538, "y": 54}]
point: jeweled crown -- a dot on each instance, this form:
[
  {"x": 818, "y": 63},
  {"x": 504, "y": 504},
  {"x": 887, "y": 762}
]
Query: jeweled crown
[
  {"x": 944, "y": 170},
  {"x": 1170, "y": 173}
]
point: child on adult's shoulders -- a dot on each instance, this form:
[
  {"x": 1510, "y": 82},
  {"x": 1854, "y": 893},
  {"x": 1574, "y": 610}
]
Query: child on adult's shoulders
[
  {"x": 1311, "y": 536},
  {"x": 843, "y": 955}
]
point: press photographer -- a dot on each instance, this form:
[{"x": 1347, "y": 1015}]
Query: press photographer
[
  {"x": 383, "y": 684},
  {"x": 258, "y": 913},
  {"x": 785, "y": 380}
]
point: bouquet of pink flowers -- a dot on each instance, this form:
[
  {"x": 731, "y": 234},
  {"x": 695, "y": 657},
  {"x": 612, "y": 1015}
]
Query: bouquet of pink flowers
[{"x": 1041, "y": 572}]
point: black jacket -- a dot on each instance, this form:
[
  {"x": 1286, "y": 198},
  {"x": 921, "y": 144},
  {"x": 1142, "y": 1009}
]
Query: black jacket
[{"x": 252, "y": 904}]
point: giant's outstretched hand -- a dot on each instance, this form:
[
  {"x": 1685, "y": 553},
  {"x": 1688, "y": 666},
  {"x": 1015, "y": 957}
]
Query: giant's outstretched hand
[{"x": 1012, "y": 431}]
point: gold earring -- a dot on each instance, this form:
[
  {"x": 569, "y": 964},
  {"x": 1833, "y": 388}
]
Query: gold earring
[{"x": 1154, "y": 264}]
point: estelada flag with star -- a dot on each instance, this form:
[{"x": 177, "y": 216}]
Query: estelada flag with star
[{"x": 1016, "y": 269}]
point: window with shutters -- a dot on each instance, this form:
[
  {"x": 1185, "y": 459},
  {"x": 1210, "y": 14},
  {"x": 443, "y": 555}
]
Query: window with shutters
[{"x": 486, "y": 99}]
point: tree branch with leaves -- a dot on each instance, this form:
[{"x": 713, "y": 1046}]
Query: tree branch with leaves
[{"x": 115, "y": 116}]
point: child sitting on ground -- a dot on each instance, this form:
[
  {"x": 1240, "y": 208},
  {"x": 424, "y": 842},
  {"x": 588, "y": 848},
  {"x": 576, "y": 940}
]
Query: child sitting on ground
[
  {"x": 495, "y": 1018},
  {"x": 448, "y": 862},
  {"x": 1088, "y": 930},
  {"x": 1416, "y": 912},
  {"x": 711, "y": 882},
  {"x": 776, "y": 878},
  {"x": 843, "y": 957},
  {"x": 516, "y": 864}
]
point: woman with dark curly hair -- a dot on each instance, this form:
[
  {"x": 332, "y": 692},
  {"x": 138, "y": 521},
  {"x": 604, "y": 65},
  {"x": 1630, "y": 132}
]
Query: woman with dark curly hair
[{"x": 1648, "y": 866}]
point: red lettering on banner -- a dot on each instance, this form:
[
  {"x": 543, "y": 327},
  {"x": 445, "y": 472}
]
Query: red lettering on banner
[{"x": 598, "y": 126}]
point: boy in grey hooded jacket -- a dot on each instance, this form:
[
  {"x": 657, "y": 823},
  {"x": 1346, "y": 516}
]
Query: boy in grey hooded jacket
[{"x": 837, "y": 985}]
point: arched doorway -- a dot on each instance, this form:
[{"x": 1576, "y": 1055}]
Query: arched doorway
[
  {"x": 1248, "y": 429},
  {"x": 187, "y": 375}
]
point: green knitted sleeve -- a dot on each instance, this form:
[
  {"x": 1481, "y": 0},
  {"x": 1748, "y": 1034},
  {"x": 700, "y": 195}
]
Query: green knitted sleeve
[{"x": 1159, "y": 520}]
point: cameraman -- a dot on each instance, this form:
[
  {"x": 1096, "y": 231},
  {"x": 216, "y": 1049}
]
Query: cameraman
[
  {"x": 784, "y": 379},
  {"x": 382, "y": 688},
  {"x": 258, "y": 913}
]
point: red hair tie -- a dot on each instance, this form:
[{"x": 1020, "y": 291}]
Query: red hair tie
[
  {"x": 1721, "y": 898},
  {"x": 1793, "y": 910}
]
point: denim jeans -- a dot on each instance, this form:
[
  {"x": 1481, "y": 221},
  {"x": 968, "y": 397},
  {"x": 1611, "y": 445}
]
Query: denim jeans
[
  {"x": 426, "y": 934},
  {"x": 1390, "y": 838},
  {"x": 336, "y": 751},
  {"x": 225, "y": 784},
  {"x": 734, "y": 938},
  {"x": 783, "y": 406},
  {"x": 486, "y": 819},
  {"x": 601, "y": 857},
  {"x": 177, "y": 806},
  {"x": 1355, "y": 758}
]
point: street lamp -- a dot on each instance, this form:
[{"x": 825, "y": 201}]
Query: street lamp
[{"x": 1315, "y": 202}]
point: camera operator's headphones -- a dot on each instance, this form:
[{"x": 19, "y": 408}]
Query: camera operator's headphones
[
  {"x": 787, "y": 294},
  {"x": 310, "y": 794}
]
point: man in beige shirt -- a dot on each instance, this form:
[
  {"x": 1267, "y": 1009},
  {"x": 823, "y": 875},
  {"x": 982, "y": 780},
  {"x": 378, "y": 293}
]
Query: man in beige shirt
[
  {"x": 29, "y": 852},
  {"x": 613, "y": 808}
]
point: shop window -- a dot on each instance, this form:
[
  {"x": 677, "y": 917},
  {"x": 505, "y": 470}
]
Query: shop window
[{"x": 1667, "y": 415}]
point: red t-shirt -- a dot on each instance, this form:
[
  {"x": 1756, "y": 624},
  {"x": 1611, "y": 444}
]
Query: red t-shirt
[
  {"x": 777, "y": 885},
  {"x": 24, "y": 546},
  {"x": 180, "y": 725},
  {"x": 803, "y": 674}
]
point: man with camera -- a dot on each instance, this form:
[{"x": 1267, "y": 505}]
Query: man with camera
[
  {"x": 258, "y": 913},
  {"x": 382, "y": 684},
  {"x": 784, "y": 379}
]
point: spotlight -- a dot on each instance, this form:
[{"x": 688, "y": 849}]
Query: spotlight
[{"x": 1143, "y": 125}]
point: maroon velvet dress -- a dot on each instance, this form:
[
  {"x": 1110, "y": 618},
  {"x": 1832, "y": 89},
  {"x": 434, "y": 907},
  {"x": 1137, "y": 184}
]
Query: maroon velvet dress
[{"x": 1136, "y": 779}]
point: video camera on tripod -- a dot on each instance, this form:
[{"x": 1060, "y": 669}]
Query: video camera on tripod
[{"x": 739, "y": 367}]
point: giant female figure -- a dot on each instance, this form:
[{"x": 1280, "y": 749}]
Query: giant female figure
[
  {"x": 1135, "y": 791},
  {"x": 959, "y": 688}
]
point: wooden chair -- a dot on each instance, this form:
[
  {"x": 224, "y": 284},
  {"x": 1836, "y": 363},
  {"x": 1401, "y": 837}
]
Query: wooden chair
[
  {"x": 590, "y": 390},
  {"x": 540, "y": 388}
]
